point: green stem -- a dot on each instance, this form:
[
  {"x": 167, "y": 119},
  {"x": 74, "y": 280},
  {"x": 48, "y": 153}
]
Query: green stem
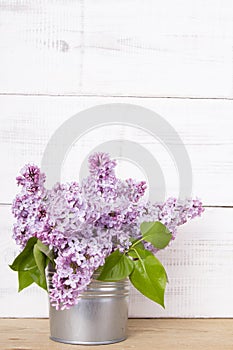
[
  {"x": 139, "y": 259},
  {"x": 135, "y": 243}
]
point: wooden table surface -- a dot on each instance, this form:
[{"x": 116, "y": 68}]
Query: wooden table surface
[{"x": 145, "y": 334}]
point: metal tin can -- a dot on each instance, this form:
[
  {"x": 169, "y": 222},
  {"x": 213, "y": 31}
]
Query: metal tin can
[{"x": 100, "y": 316}]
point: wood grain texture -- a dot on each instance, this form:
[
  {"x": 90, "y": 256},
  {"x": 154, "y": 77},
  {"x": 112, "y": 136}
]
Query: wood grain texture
[
  {"x": 199, "y": 266},
  {"x": 162, "y": 48},
  {"x": 205, "y": 127},
  {"x": 163, "y": 334}
]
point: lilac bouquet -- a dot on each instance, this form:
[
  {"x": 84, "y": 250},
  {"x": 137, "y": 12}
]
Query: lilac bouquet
[{"x": 102, "y": 224}]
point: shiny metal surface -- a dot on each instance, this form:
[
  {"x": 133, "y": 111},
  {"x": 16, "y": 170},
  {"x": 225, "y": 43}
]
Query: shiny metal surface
[{"x": 100, "y": 317}]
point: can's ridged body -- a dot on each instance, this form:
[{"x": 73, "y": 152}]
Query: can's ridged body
[{"x": 100, "y": 316}]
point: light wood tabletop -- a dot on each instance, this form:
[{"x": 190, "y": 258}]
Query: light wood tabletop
[{"x": 145, "y": 334}]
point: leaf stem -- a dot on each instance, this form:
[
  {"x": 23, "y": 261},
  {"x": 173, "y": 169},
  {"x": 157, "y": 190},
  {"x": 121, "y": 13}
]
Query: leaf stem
[
  {"x": 135, "y": 243},
  {"x": 140, "y": 259}
]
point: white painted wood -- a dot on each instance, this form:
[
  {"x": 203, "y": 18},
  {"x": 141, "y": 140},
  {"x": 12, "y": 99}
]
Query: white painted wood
[
  {"x": 205, "y": 126},
  {"x": 199, "y": 265},
  {"x": 157, "y": 48}
]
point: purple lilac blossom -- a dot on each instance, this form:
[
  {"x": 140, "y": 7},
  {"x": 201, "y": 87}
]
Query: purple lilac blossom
[
  {"x": 85, "y": 223},
  {"x": 31, "y": 178},
  {"x": 75, "y": 266},
  {"x": 26, "y": 205}
]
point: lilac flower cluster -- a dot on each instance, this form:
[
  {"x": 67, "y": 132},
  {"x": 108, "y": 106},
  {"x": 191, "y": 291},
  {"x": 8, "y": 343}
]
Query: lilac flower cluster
[
  {"x": 85, "y": 223},
  {"x": 27, "y": 206}
]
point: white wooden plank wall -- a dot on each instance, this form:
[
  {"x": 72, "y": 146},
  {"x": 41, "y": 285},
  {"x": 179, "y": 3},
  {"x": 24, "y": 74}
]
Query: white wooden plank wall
[{"x": 174, "y": 57}]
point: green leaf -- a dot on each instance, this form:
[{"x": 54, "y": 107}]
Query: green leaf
[
  {"x": 149, "y": 276},
  {"x": 117, "y": 267},
  {"x": 40, "y": 259},
  {"x": 45, "y": 249},
  {"x": 25, "y": 260},
  {"x": 24, "y": 279},
  {"x": 30, "y": 264},
  {"x": 155, "y": 233},
  {"x": 38, "y": 278}
]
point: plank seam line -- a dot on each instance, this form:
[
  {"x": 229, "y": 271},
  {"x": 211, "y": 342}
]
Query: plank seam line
[{"x": 114, "y": 96}]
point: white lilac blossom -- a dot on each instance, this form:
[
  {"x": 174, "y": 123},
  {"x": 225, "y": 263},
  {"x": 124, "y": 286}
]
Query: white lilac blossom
[{"x": 84, "y": 223}]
